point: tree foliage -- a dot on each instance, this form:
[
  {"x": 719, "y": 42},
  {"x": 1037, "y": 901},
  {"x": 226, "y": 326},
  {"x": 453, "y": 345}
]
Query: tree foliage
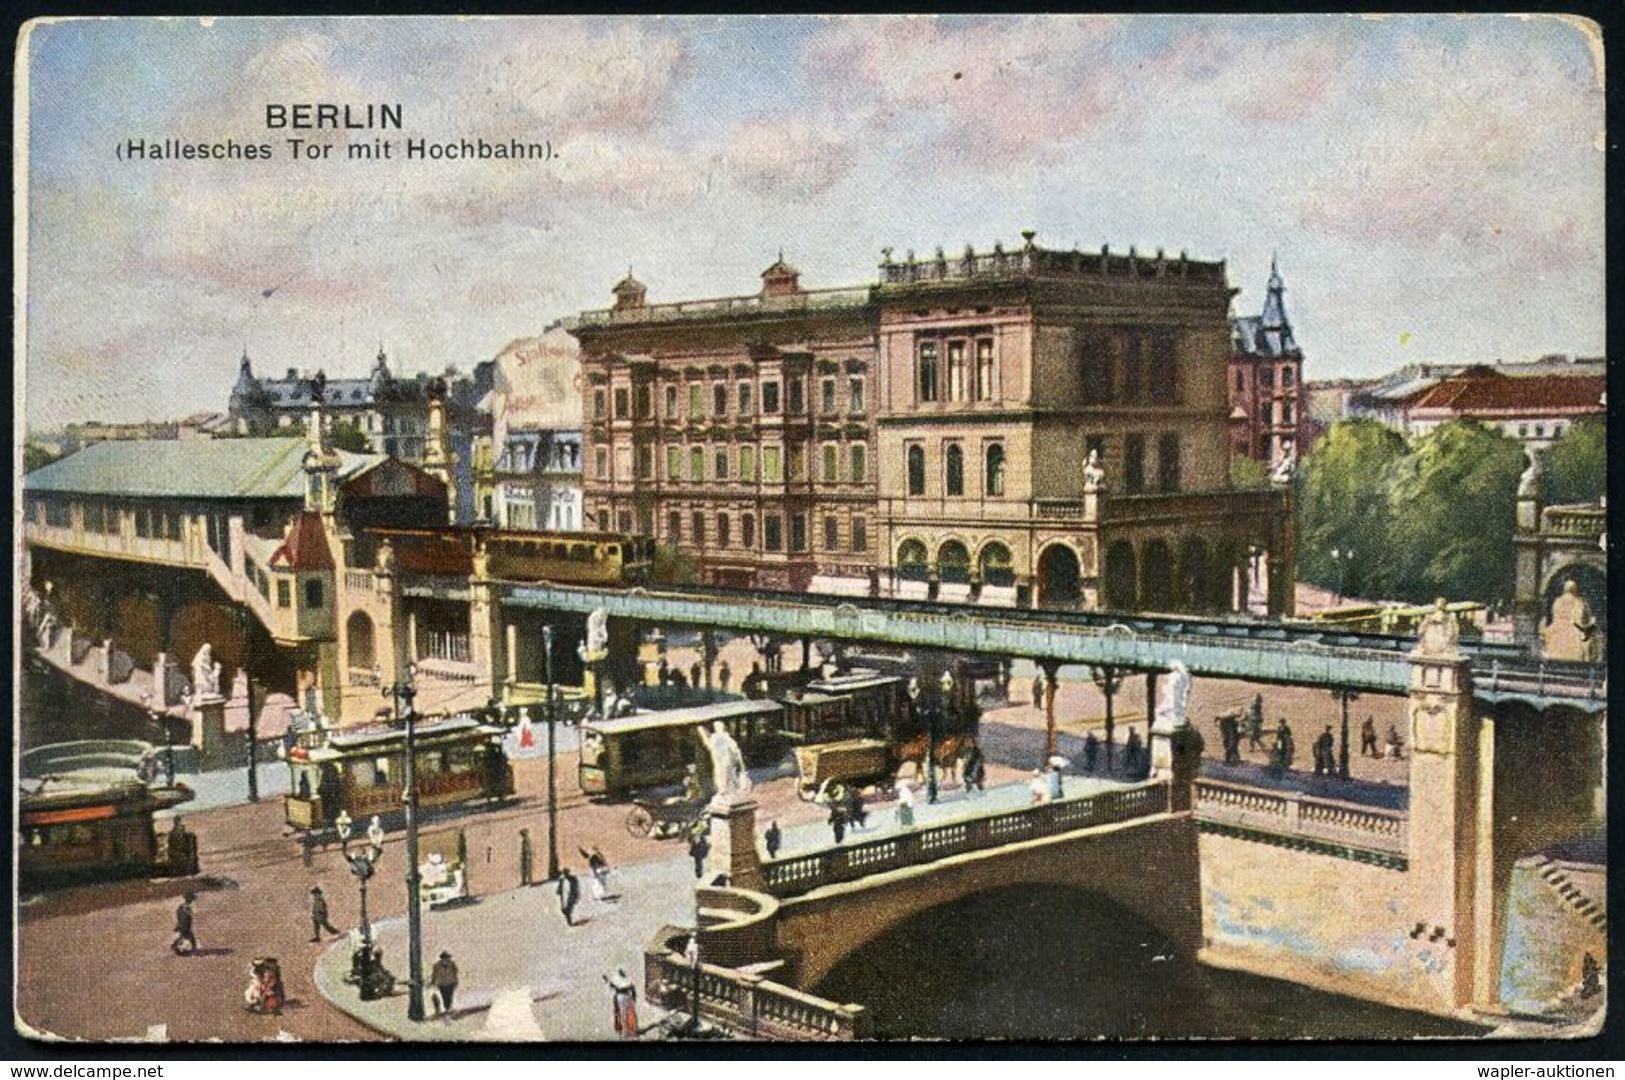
[
  {"x": 36, "y": 456},
  {"x": 345, "y": 435},
  {"x": 1248, "y": 473},
  {"x": 1454, "y": 505},
  {"x": 1432, "y": 519},
  {"x": 1343, "y": 507},
  {"x": 1576, "y": 465},
  {"x": 672, "y": 567}
]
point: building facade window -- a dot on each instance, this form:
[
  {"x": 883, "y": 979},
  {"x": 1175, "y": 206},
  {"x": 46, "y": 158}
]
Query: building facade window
[
  {"x": 671, "y": 402},
  {"x": 719, "y": 400},
  {"x": 1133, "y": 380},
  {"x": 603, "y": 521},
  {"x": 772, "y": 465},
  {"x": 770, "y": 397},
  {"x": 798, "y": 462},
  {"x": 859, "y": 463},
  {"x": 696, "y": 463},
  {"x": 1286, "y": 378},
  {"x": 644, "y": 406},
  {"x": 798, "y": 402},
  {"x": 984, "y": 369},
  {"x": 1134, "y": 464},
  {"x": 831, "y": 468},
  {"x": 745, "y": 405},
  {"x": 995, "y": 470},
  {"x": 597, "y": 404},
  {"x": 1266, "y": 378},
  {"x": 916, "y": 469},
  {"x": 1162, "y": 375},
  {"x": 747, "y": 464},
  {"x": 956, "y": 371},
  {"x": 747, "y": 530},
  {"x": 601, "y": 462},
  {"x": 1240, "y": 383},
  {"x": 926, "y": 372},
  {"x": 674, "y": 463},
  {"x": 827, "y": 393},
  {"x": 313, "y": 594},
  {"x": 625, "y": 520},
  {"x": 1168, "y": 461},
  {"x": 284, "y": 594},
  {"x": 724, "y": 537},
  {"x": 719, "y": 464},
  {"x": 620, "y": 403},
  {"x": 832, "y": 534},
  {"x": 860, "y": 534},
  {"x": 698, "y": 519},
  {"x": 953, "y": 473},
  {"x": 773, "y": 533},
  {"x": 798, "y": 532},
  {"x": 855, "y": 403},
  {"x": 646, "y": 462},
  {"x": 696, "y": 401},
  {"x": 674, "y": 526}
]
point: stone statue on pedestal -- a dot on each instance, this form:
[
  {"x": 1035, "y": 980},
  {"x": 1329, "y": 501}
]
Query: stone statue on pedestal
[
  {"x": 727, "y": 763},
  {"x": 1571, "y": 632},
  {"x": 597, "y": 631},
  {"x": 1094, "y": 476},
  {"x": 205, "y": 674},
  {"x": 1173, "y": 708}
]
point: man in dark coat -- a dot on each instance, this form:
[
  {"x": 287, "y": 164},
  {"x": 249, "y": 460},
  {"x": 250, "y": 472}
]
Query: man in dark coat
[
  {"x": 183, "y": 927},
  {"x": 1326, "y": 753},
  {"x": 318, "y": 915},
  {"x": 774, "y": 838},
  {"x": 443, "y": 977},
  {"x": 1091, "y": 752},
  {"x": 699, "y": 846},
  {"x": 974, "y": 772},
  {"x": 569, "y": 890},
  {"x": 1368, "y": 738}
]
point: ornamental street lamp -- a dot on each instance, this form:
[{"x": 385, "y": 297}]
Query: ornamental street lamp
[
  {"x": 1344, "y": 696},
  {"x": 1108, "y": 679},
  {"x": 361, "y": 862},
  {"x": 552, "y": 761},
  {"x": 402, "y": 694},
  {"x": 1342, "y": 558}
]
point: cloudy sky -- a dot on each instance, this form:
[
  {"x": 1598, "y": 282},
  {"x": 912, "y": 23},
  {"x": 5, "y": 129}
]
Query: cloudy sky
[{"x": 1433, "y": 185}]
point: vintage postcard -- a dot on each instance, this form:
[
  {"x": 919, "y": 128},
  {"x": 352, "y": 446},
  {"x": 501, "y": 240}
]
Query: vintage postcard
[{"x": 810, "y": 528}]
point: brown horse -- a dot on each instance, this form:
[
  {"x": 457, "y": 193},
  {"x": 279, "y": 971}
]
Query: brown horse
[{"x": 949, "y": 751}]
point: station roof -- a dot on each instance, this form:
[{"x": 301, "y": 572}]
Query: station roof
[{"x": 188, "y": 468}]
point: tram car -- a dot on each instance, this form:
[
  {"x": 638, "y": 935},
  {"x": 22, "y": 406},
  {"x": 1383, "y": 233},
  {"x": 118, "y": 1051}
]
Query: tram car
[
  {"x": 85, "y": 813},
  {"x": 361, "y": 770},
  {"x": 573, "y": 558},
  {"x": 650, "y": 750}
]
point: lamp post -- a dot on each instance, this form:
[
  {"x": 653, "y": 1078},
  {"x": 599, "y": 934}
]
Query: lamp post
[
  {"x": 913, "y": 692},
  {"x": 1342, "y": 558},
  {"x": 1344, "y": 696},
  {"x": 253, "y": 720},
  {"x": 402, "y": 694},
  {"x": 552, "y": 761},
  {"x": 361, "y": 862},
  {"x": 1108, "y": 679},
  {"x": 946, "y": 686}
]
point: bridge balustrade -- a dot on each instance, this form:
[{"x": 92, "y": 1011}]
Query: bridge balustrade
[
  {"x": 750, "y": 1004},
  {"x": 1292, "y": 815},
  {"x": 797, "y": 874}
]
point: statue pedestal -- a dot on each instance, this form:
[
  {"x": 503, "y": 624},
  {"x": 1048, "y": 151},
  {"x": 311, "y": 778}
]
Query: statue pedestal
[
  {"x": 733, "y": 841},
  {"x": 590, "y": 681},
  {"x": 209, "y": 730},
  {"x": 1176, "y": 754}
]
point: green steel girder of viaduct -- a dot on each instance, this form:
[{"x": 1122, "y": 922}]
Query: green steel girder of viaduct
[{"x": 1000, "y": 633}]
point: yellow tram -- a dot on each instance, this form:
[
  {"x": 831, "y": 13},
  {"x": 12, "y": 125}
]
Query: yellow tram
[
  {"x": 361, "y": 770},
  {"x": 630, "y": 753}
]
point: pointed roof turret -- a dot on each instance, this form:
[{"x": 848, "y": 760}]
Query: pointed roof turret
[
  {"x": 629, "y": 291},
  {"x": 1273, "y": 325}
]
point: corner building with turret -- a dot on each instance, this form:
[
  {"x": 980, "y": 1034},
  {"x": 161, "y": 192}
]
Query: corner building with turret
[{"x": 927, "y": 435}]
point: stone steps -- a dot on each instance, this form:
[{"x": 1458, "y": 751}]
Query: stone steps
[{"x": 1575, "y": 897}]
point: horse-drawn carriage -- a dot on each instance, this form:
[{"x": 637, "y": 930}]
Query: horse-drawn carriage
[{"x": 663, "y": 818}]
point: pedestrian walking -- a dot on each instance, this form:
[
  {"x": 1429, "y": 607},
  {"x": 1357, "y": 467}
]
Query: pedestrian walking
[
  {"x": 695, "y": 673},
  {"x": 1368, "y": 739},
  {"x": 974, "y": 773},
  {"x": 1395, "y": 745},
  {"x": 569, "y": 890},
  {"x": 1284, "y": 750},
  {"x": 699, "y": 846},
  {"x": 837, "y": 820},
  {"x": 724, "y": 675},
  {"x": 599, "y": 866},
  {"x": 624, "y": 999},
  {"x": 318, "y": 915},
  {"x": 1131, "y": 752},
  {"x": 527, "y": 859},
  {"x": 1255, "y": 723},
  {"x": 905, "y": 804},
  {"x": 443, "y": 977},
  {"x": 183, "y": 927},
  {"x": 855, "y": 812},
  {"x": 774, "y": 838},
  {"x": 1326, "y": 753},
  {"x": 1091, "y": 752},
  {"x": 1038, "y": 691}
]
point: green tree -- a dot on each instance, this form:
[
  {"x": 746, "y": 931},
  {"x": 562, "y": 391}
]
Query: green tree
[
  {"x": 1452, "y": 507},
  {"x": 1248, "y": 472},
  {"x": 345, "y": 435},
  {"x": 1343, "y": 506},
  {"x": 36, "y": 456},
  {"x": 672, "y": 567},
  {"x": 1576, "y": 465}
]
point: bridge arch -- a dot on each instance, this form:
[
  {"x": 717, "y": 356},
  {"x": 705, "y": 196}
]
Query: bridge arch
[{"x": 817, "y": 931}]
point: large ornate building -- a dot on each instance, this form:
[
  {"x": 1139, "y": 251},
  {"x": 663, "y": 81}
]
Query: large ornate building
[
  {"x": 1268, "y": 420},
  {"x": 392, "y": 413},
  {"x": 929, "y": 434}
]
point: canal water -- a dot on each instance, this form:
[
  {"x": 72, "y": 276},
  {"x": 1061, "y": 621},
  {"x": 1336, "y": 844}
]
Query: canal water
[{"x": 1050, "y": 963}]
